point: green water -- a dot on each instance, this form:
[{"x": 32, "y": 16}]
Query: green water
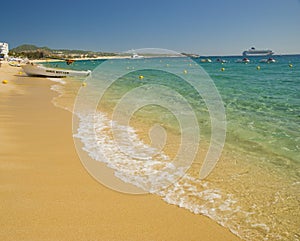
[{"x": 257, "y": 179}]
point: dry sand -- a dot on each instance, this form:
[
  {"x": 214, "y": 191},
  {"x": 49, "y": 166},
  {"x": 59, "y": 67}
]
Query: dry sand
[{"x": 46, "y": 194}]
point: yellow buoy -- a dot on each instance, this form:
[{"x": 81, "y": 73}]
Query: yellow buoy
[
  {"x": 4, "y": 81},
  {"x": 290, "y": 65},
  {"x": 20, "y": 72},
  {"x": 141, "y": 77},
  {"x": 83, "y": 84},
  {"x": 185, "y": 71},
  {"x": 258, "y": 67},
  {"x": 222, "y": 69}
]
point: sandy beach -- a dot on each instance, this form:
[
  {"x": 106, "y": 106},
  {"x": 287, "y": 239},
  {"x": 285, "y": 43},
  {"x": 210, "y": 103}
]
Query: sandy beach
[{"x": 46, "y": 194}]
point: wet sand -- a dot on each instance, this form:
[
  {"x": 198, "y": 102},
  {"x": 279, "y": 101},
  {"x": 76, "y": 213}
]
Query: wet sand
[{"x": 45, "y": 192}]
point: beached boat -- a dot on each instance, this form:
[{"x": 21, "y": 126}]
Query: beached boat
[
  {"x": 39, "y": 70},
  {"x": 14, "y": 63},
  {"x": 257, "y": 52}
]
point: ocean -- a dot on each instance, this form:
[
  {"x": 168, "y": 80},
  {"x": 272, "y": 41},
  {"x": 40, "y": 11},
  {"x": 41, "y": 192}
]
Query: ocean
[{"x": 156, "y": 121}]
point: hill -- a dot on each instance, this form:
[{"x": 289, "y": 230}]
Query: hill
[
  {"x": 28, "y": 48},
  {"x": 34, "y": 52}
]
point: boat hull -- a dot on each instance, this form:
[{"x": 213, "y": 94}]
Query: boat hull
[
  {"x": 38, "y": 70},
  {"x": 258, "y": 53}
]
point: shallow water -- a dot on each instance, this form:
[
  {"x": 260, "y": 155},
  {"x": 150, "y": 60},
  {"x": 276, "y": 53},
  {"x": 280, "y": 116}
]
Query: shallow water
[{"x": 254, "y": 189}]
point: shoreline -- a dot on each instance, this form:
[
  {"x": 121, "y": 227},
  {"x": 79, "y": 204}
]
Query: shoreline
[
  {"x": 47, "y": 194},
  {"x": 101, "y": 58}
]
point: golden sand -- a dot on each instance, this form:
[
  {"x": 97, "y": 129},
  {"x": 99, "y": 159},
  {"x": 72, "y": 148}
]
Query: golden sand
[{"x": 46, "y": 194}]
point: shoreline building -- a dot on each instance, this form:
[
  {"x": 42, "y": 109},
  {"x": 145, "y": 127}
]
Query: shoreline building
[{"x": 4, "y": 50}]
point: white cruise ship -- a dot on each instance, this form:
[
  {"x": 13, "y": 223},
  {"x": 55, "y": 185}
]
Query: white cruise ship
[{"x": 256, "y": 52}]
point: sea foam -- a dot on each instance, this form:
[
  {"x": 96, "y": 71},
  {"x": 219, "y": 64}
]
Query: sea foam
[{"x": 139, "y": 164}]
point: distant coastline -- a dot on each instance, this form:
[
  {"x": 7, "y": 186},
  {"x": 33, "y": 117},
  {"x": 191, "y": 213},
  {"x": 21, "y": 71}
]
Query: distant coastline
[{"x": 42, "y": 54}]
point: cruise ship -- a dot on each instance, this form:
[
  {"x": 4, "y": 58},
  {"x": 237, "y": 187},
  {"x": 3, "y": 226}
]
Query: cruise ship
[{"x": 256, "y": 52}]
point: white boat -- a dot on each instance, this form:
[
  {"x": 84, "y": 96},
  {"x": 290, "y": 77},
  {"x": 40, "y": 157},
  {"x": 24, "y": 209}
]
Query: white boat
[
  {"x": 244, "y": 60},
  {"x": 207, "y": 60},
  {"x": 14, "y": 63},
  {"x": 269, "y": 60},
  {"x": 257, "y": 52},
  {"x": 221, "y": 60},
  {"x": 39, "y": 70},
  {"x": 136, "y": 56}
]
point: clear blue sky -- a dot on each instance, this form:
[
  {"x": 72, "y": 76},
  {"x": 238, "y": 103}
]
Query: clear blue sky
[{"x": 211, "y": 27}]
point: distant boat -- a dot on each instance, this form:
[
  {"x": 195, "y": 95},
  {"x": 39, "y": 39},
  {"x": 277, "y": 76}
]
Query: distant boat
[
  {"x": 70, "y": 61},
  {"x": 136, "y": 56},
  {"x": 269, "y": 60},
  {"x": 191, "y": 55},
  {"x": 39, "y": 70},
  {"x": 244, "y": 60},
  {"x": 221, "y": 60},
  {"x": 256, "y": 52},
  {"x": 207, "y": 60}
]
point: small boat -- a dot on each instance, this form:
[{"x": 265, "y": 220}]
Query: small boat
[
  {"x": 207, "y": 60},
  {"x": 195, "y": 56},
  {"x": 136, "y": 56},
  {"x": 14, "y": 63},
  {"x": 221, "y": 60},
  {"x": 70, "y": 61},
  {"x": 269, "y": 60},
  {"x": 39, "y": 70},
  {"x": 257, "y": 52},
  {"x": 244, "y": 60}
]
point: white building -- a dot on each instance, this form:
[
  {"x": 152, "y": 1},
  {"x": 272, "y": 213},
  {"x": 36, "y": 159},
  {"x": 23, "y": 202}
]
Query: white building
[{"x": 4, "y": 50}]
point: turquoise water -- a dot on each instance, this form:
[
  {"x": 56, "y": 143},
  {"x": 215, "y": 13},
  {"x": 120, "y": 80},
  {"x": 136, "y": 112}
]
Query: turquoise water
[
  {"x": 263, "y": 108},
  {"x": 254, "y": 190}
]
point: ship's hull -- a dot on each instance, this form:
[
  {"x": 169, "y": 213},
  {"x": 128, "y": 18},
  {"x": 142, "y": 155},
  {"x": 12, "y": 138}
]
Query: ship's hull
[
  {"x": 258, "y": 53},
  {"x": 38, "y": 70}
]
